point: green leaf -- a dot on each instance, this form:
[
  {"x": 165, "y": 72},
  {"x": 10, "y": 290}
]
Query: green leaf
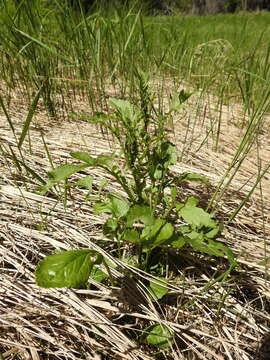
[
  {"x": 102, "y": 207},
  {"x": 175, "y": 104},
  {"x": 110, "y": 227},
  {"x": 164, "y": 234},
  {"x": 211, "y": 247},
  {"x": 68, "y": 269},
  {"x": 160, "y": 336},
  {"x": 184, "y": 96},
  {"x": 64, "y": 171},
  {"x": 196, "y": 217},
  {"x": 60, "y": 173},
  {"x": 193, "y": 177},
  {"x": 29, "y": 117},
  {"x": 157, "y": 233},
  {"x": 124, "y": 108},
  {"x": 86, "y": 182},
  {"x": 119, "y": 206},
  {"x": 131, "y": 235},
  {"x": 97, "y": 274},
  {"x": 179, "y": 242},
  {"x": 158, "y": 288},
  {"x": 83, "y": 156},
  {"x": 140, "y": 213}
]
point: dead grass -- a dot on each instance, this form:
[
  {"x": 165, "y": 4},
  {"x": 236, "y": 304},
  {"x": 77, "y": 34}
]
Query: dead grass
[{"x": 225, "y": 321}]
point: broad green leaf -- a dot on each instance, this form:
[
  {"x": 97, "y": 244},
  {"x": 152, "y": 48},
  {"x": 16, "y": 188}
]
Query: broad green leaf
[
  {"x": 60, "y": 173},
  {"x": 151, "y": 231},
  {"x": 160, "y": 336},
  {"x": 193, "y": 177},
  {"x": 213, "y": 233},
  {"x": 168, "y": 151},
  {"x": 164, "y": 234},
  {"x": 119, "y": 206},
  {"x": 158, "y": 288},
  {"x": 179, "y": 242},
  {"x": 102, "y": 207},
  {"x": 157, "y": 233},
  {"x": 64, "y": 171},
  {"x": 192, "y": 201},
  {"x": 83, "y": 156},
  {"x": 101, "y": 160},
  {"x": 86, "y": 182},
  {"x": 211, "y": 247},
  {"x": 131, "y": 235},
  {"x": 110, "y": 227},
  {"x": 68, "y": 269},
  {"x": 196, "y": 217},
  {"x": 125, "y": 108},
  {"x": 140, "y": 213}
]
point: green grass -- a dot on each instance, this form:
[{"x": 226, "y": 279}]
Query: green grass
[{"x": 91, "y": 50}]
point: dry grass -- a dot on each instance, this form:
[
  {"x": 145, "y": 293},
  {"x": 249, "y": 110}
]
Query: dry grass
[{"x": 223, "y": 321}]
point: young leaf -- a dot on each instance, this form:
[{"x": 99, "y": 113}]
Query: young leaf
[
  {"x": 119, "y": 206},
  {"x": 193, "y": 177},
  {"x": 64, "y": 171},
  {"x": 97, "y": 274},
  {"x": 68, "y": 269},
  {"x": 159, "y": 336},
  {"x": 84, "y": 157},
  {"x": 158, "y": 288},
  {"x": 179, "y": 242},
  {"x": 131, "y": 235},
  {"x": 195, "y": 216},
  {"x": 124, "y": 108},
  {"x": 86, "y": 182},
  {"x": 140, "y": 213},
  {"x": 102, "y": 207},
  {"x": 110, "y": 227}
]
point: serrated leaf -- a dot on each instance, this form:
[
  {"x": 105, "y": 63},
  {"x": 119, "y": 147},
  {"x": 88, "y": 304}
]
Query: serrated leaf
[
  {"x": 140, "y": 213},
  {"x": 159, "y": 336},
  {"x": 158, "y": 288},
  {"x": 68, "y": 269}
]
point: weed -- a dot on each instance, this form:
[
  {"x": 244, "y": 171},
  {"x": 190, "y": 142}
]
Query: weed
[{"x": 149, "y": 217}]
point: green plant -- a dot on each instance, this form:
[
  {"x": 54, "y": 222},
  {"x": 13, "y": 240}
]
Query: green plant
[{"x": 150, "y": 215}]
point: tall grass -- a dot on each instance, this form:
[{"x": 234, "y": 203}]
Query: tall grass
[
  {"x": 68, "y": 50},
  {"x": 49, "y": 47}
]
